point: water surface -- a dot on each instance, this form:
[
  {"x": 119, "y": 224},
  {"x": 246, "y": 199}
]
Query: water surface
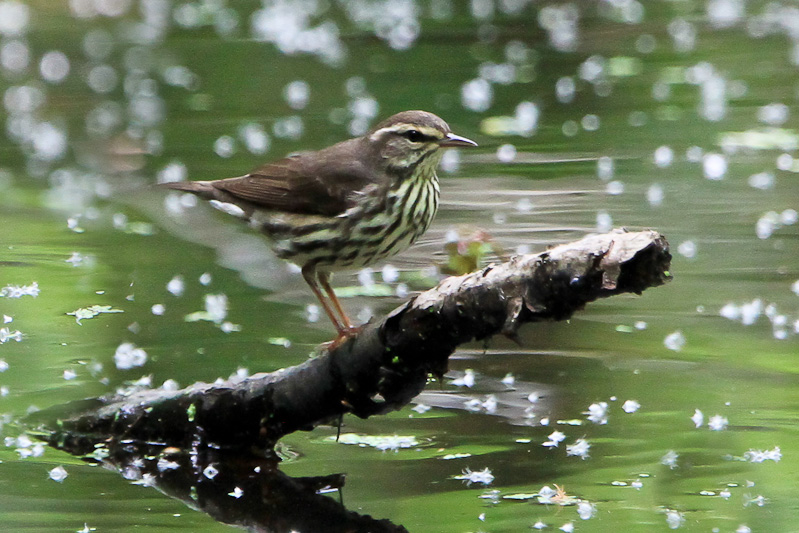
[{"x": 677, "y": 116}]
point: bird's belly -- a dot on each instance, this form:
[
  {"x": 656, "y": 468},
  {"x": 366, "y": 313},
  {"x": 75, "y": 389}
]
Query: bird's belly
[{"x": 353, "y": 240}]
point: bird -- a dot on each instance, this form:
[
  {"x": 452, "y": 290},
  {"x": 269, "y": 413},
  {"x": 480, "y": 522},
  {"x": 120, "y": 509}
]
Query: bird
[{"x": 346, "y": 206}]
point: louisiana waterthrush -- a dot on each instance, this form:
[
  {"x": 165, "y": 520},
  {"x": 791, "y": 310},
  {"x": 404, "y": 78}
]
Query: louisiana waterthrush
[{"x": 345, "y": 206}]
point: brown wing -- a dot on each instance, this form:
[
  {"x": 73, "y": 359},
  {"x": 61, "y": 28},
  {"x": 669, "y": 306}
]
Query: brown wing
[{"x": 322, "y": 183}]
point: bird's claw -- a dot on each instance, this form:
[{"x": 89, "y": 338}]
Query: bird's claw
[{"x": 345, "y": 334}]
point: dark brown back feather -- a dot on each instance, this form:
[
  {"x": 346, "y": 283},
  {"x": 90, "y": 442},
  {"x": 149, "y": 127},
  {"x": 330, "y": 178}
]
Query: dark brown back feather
[
  {"x": 323, "y": 183},
  {"x": 327, "y": 182}
]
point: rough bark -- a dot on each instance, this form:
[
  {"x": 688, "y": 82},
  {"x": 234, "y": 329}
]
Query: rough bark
[{"x": 388, "y": 363}]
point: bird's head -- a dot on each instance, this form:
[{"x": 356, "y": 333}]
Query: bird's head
[{"x": 412, "y": 138}]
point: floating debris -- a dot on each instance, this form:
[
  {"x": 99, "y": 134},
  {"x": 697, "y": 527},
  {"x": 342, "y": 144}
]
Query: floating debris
[
  {"x": 297, "y": 93},
  {"x": 615, "y": 188},
  {"x": 578, "y": 449},
  {"x": 557, "y": 496},
  {"x": 85, "y": 313},
  {"x": 604, "y": 222},
  {"x": 717, "y": 423},
  {"x": 76, "y": 259},
  {"x": 698, "y": 418},
  {"x": 674, "y": 519},
  {"x": 6, "y": 335},
  {"x": 466, "y": 380},
  {"x": 451, "y": 456},
  {"x": 482, "y": 476},
  {"x": 380, "y": 442},
  {"x": 312, "y": 313},
  {"x": 687, "y": 249},
  {"x": 714, "y": 166},
  {"x": 555, "y": 438},
  {"x": 762, "y": 180},
  {"x": 674, "y": 341},
  {"x": 506, "y": 153},
  {"x": 165, "y": 464},
  {"x": 524, "y": 123},
  {"x": 605, "y": 168},
  {"x": 523, "y": 496},
  {"x": 664, "y": 156},
  {"x": 586, "y": 510},
  {"x": 18, "y": 291},
  {"x": 225, "y": 146},
  {"x": 670, "y": 459},
  {"x": 389, "y": 273},
  {"x": 758, "y": 500},
  {"x": 490, "y": 404},
  {"x": 598, "y": 413},
  {"x": 170, "y": 385},
  {"x": 58, "y": 474},
  {"x": 761, "y": 139},
  {"x": 215, "y": 310},
  {"x": 176, "y": 286},
  {"x": 276, "y": 341},
  {"x": 760, "y": 456},
  {"x": 477, "y": 95},
  {"x": 128, "y": 356},
  {"x": 630, "y": 406}
]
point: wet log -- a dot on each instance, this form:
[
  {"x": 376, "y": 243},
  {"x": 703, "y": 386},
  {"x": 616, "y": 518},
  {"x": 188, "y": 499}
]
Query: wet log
[{"x": 388, "y": 362}]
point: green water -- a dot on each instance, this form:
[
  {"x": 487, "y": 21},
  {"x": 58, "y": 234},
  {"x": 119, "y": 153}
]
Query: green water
[{"x": 665, "y": 94}]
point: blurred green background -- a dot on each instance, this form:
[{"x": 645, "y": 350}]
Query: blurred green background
[{"x": 673, "y": 115}]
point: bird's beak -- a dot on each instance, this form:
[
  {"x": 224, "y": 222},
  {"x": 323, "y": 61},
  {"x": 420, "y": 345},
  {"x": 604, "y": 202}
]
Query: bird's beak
[{"x": 455, "y": 140}]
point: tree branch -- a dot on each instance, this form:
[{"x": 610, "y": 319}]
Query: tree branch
[{"x": 388, "y": 363}]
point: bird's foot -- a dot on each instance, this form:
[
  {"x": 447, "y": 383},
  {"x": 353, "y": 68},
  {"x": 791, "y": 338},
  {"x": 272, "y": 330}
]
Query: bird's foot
[{"x": 344, "y": 335}]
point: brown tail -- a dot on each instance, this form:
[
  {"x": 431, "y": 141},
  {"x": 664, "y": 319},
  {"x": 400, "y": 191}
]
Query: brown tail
[{"x": 203, "y": 189}]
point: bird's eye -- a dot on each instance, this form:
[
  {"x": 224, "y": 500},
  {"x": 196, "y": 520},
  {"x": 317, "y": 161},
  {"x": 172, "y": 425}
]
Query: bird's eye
[{"x": 415, "y": 136}]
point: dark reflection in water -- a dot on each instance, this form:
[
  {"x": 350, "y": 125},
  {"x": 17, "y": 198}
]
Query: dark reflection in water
[{"x": 237, "y": 488}]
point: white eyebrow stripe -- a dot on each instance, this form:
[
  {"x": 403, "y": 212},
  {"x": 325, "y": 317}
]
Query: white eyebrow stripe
[
  {"x": 403, "y": 127},
  {"x": 379, "y": 133}
]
